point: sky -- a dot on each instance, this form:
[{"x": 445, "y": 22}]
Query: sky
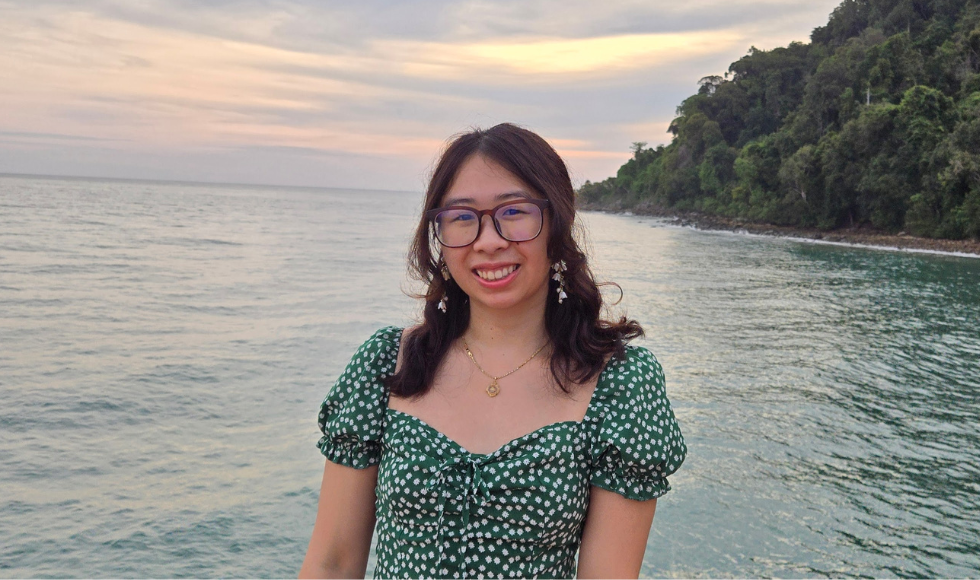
[{"x": 354, "y": 94}]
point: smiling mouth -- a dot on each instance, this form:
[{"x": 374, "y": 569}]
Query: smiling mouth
[{"x": 493, "y": 275}]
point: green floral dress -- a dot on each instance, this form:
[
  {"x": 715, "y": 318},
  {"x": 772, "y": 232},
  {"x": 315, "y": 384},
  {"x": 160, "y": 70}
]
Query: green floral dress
[{"x": 517, "y": 512}]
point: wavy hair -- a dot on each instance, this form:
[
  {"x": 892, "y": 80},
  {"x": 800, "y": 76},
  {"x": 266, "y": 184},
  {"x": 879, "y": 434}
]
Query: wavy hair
[{"x": 581, "y": 340}]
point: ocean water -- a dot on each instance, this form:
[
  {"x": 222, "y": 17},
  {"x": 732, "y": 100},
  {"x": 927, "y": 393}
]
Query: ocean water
[{"x": 164, "y": 348}]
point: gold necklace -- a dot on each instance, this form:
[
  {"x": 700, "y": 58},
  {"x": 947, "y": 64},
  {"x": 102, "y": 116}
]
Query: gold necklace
[{"x": 494, "y": 389}]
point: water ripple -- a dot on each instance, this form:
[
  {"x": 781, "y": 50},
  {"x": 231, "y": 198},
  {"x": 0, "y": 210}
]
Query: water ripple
[{"x": 165, "y": 347}]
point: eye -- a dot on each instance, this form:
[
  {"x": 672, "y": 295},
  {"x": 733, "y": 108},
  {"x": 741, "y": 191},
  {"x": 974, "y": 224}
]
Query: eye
[
  {"x": 455, "y": 216},
  {"x": 512, "y": 211}
]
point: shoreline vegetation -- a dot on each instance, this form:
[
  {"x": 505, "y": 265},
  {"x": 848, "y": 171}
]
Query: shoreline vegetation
[
  {"x": 861, "y": 236},
  {"x": 869, "y": 133}
]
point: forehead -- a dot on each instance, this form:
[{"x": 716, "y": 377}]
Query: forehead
[{"x": 483, "y": 182}]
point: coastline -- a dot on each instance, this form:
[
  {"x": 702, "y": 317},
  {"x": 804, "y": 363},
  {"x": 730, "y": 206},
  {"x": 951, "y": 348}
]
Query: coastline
[{"x": 846, "y": 236}]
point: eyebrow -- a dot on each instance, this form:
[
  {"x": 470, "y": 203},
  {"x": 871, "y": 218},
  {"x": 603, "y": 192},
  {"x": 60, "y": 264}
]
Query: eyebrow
[{"x": 498, "y": 197}]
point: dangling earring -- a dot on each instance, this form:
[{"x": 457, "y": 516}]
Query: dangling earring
[
  {"x": 445, "y": 295},
  {"x": 560, "y": 267}
]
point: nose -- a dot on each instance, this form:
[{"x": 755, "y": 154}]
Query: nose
[{"x": 489, "y": 241}]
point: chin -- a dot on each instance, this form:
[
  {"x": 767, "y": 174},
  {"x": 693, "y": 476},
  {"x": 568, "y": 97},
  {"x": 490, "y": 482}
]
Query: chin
[{"x": 508, "y": 302}]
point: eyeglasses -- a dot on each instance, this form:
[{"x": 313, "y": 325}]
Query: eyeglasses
[{"x": 458, "y": 226}]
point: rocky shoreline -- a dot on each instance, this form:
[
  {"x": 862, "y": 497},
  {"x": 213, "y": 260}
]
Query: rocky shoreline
[{"x": 858, "y": 236}]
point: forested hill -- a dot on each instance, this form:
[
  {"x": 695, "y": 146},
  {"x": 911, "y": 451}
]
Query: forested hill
[{"x": 875, "y": 122}]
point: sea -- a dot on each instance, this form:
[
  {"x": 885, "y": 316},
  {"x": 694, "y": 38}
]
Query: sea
[{"x": 164, "y": 348}]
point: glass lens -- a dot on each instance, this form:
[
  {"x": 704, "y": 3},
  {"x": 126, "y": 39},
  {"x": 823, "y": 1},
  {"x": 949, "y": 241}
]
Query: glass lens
[
  {"x": 518, "y": 222},
  {"x": 457, "y": 227}
]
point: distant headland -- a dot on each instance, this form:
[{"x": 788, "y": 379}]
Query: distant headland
[{"x": 869, "y": 134}]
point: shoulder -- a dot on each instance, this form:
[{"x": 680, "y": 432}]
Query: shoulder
[
  {"x": 378, "y": 353},
  {"x": 372, "y": 362},
  {"x": 636, "y": 371},
  {"x": 404, "y": 334},
  {"x": 643, "y": 365},
  {"x": 635, "y": 390},
  {"x": 382, "y": 341},
  {"x": 639, "y": 357}
]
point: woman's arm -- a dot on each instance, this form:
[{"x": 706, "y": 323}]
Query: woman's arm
[
  {"x": 615, "y": 535},
  {"x": 344, "y": 524}
]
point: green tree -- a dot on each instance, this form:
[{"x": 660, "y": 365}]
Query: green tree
[{"x": 875, "y": 122}]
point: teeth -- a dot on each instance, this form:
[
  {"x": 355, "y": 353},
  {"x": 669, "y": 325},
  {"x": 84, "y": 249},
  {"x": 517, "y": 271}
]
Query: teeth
[{"x": 492, "y": 275}]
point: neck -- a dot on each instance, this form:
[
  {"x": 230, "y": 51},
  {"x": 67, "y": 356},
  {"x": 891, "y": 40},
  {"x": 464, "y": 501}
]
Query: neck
[{"x": 518, "y": 329}]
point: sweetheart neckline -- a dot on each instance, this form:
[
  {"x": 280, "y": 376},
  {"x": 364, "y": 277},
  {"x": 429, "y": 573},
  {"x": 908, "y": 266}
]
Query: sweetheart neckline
[
  {"x": 606, "y": 369},
  {"x": 500, "y": 449}
]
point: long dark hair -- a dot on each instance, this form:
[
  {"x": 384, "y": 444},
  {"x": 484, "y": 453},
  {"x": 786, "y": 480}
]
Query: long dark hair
[{"x": 581, "y": 340}]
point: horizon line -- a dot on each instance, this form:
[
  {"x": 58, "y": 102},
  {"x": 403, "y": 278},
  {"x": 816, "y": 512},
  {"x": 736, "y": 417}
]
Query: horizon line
[{"x": 190, "y": 182}]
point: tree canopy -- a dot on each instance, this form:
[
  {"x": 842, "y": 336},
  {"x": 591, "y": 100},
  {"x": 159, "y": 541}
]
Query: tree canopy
[{"x": 875, "y": 122}]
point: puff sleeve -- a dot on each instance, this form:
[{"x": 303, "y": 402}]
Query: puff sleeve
[
  {"x": 638, "y": 443},
  {"x": 352, "y": 415}
]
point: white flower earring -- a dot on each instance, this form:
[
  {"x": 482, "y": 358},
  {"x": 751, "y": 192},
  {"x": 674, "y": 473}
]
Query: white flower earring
[
  {"x": 560, "y": 267},
  {"x": 443, "y": 303}
]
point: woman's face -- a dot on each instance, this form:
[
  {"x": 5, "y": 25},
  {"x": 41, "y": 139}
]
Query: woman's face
[{"x": 494, "y": 272}]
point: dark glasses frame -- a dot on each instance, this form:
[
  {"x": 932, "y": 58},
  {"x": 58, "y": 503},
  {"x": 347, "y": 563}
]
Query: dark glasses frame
[{"x": 432, "y": 214}]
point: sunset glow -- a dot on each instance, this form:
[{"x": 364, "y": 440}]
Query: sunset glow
[{"x": 77, "y": 81}]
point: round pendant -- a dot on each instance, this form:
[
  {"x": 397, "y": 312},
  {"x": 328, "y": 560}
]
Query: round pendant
[{"x": 493, "y": 390}]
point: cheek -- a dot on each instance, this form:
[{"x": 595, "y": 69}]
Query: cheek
[
  {"x": 536, "y": 255},
  {"x": 454, "y": 258}
]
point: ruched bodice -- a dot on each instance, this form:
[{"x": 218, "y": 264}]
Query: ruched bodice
[{"x": 517, "y": 512}]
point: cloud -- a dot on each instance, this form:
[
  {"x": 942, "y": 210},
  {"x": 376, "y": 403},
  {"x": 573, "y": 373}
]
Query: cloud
[
  {"x": 52, "y": 136},
  {"x": 547, "y": 60},
  {"x": 383, "y": 80}
]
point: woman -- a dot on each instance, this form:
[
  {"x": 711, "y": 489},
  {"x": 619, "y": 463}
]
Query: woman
[{"x": 514, "y": 427}]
